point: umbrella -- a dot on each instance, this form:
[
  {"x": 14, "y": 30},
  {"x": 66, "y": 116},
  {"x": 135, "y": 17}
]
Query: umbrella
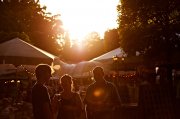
[{"x": 19, "y": 52}]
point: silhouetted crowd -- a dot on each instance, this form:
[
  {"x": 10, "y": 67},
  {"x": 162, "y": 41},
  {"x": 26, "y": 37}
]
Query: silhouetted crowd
[{"x": 144, "y": 95}]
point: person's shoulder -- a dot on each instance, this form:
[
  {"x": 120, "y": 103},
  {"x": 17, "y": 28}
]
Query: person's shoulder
[
  {"x": 74, "y": 96},
  {"x": 35, "y": 86},
  {"x": 39, "y": 87},
  {"x": 75, "y": 93},
  {"x": 91, "y": 85},
  {"x": 109, "y": 84},
  {"x": 57, "y": 96}
]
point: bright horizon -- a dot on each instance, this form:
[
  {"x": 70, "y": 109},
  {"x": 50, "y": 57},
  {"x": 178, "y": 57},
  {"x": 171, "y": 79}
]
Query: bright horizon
[{"x": 81, "y": 17}]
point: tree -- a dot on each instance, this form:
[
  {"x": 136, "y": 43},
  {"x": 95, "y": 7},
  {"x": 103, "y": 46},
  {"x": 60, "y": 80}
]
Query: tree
[
  {"x": 111, "y": 39},
  {"x": 93, "y": 45},
  {"x": 28, "y": 17},
  {"x": 6, "y": 36},
  {"x": 67, "y": 47},
  {"x": 90, "y": 47},
  {"x": 151, "y": 27}
]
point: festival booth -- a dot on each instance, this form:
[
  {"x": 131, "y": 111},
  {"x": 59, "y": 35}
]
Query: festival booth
[
  {"x": 18, "y": 60},
  {"x": 117, "y": 61},
  {"x": 116, "y": 65},
  {"x": 108, "y": 59},
  {"x": 19, "y": 52},
  {"x": 80, "y": 70},
  {"x": 118, "y": 52},
  {"x": 7, "y": 71},
  {"x": 84, "y": 69},
  {"x": 61, "y": 68},
  {"x": 23, "y": 56}
]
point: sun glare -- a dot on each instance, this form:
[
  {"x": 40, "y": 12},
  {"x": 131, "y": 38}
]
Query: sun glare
[{"x": 81, "y": 17}]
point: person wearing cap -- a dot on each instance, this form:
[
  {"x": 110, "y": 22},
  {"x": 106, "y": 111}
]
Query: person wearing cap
[{"x": 40, "y": 97}]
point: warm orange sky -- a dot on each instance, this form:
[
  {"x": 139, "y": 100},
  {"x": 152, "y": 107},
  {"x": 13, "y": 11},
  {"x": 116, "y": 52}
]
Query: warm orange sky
[{"x": 81, "y": 17}]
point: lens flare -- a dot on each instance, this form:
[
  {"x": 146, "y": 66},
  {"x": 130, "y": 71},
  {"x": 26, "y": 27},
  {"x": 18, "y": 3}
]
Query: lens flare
[{"x": 98, "y": 92}]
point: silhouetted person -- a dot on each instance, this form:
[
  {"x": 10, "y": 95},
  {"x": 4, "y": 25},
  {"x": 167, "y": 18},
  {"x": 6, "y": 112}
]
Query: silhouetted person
[
  {"x": 178, "y": 98},
  {"x": 101, "y": 98},
  {"x": 40, "y": 96},
  {"x": 155, "y": 100},
  {"x": 6, "y": 110},
  {"x": 68, "y": 102}
]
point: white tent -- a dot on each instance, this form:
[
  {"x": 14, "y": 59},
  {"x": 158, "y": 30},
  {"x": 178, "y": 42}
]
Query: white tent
[
  {"x": 84, "y": 69},
  {"x": 62, "y": 68},
  {"x": 17, "y": 51},
  {"x": 7, "y": 69},
  {"x": 107, "y": 58},
  {"x": 109, "y": 55}
]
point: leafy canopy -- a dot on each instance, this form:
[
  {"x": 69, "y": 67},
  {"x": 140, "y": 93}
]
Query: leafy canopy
[
  {"x": 151, "y": 27},
  {"x": 28, "y": 20}
]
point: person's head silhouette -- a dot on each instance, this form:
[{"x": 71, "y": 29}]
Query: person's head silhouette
[
  {"x": 98, "y": 73},
  {"x": 43, "y": 73},
  {"x": 66, "y": 82}
]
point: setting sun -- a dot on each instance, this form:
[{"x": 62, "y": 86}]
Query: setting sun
[{"x": 81, "y": 17}]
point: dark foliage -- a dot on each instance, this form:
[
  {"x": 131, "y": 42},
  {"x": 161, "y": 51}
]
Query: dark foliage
[
  {"x": 151, "y": 27},
  {"x": 28, "y": 19}
]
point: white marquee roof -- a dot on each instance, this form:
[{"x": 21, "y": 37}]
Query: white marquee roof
[{"x": 109, "y": 55}]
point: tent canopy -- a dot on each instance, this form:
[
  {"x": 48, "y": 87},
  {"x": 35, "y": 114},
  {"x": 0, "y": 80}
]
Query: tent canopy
[
  {"x": 62, "y": 67},
  {"x": 17, "y": 51},
  {"x": 109, "y": 55},
  {"x": 107, "y": 58},
  {"x": 7, "y": 69},
  {"x": 84, "y": 69},
  {"x": 10, "y": 72}
]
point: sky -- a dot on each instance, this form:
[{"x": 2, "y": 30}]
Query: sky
[{"x": 81, "y": 17}]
